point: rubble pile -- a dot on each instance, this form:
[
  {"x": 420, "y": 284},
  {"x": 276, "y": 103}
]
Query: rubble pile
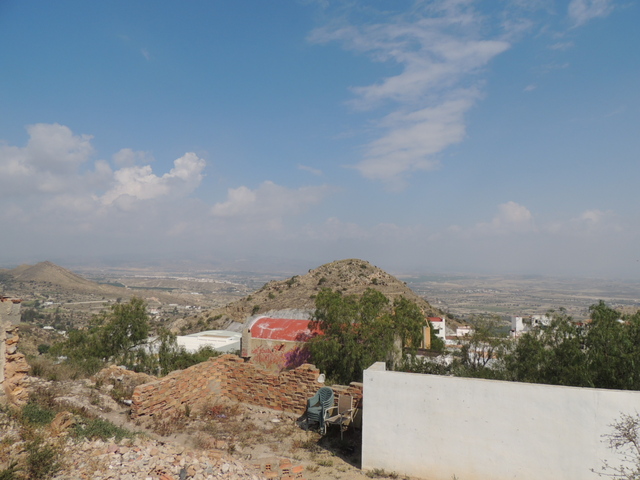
[{"x": 149, "y": 459}]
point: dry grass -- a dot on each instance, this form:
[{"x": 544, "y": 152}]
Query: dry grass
[
  {"x": 168, "y": 424},
  {"x": 257, "y": 434}
]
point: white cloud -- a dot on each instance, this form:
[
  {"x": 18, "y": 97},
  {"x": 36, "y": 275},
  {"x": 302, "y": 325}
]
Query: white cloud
[
  {"x": 54, "y": 148},
  {"x": 126, "y": 205},
  {"x": 140, "y": 183},
  {"x": 311, "y": 170},
  {"x": 511, "y": 218},
  {"x": 49, "y": 162},
  {"x": 582, "y": 11},
  {"x": 440, "y": 52},
  {"x": 595, "y": 221},
  {"x": 413, "y": 138},
  {"x": 592, "y": 216},
  {"x": 562, "y": 46},
  {"x": 127, "y": 157},
  {"x": 267, "y": 204}
]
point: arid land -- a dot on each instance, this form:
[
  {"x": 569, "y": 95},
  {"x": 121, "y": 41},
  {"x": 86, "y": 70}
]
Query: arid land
[
  {"x": 457, "y": 294},
  {"x": 175, "y": 294},
  {"x": 465, "y": 295}
]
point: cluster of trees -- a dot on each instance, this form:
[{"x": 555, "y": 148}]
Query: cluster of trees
[
  {"x": 603, "y": 353},
  {"x": 121, "y": 335},
  {"x": 35, "y": 315},
  {"x": 358, "y": 332}
]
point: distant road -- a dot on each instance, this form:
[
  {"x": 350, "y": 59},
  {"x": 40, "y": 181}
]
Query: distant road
[{"x": 81, "y": 303}]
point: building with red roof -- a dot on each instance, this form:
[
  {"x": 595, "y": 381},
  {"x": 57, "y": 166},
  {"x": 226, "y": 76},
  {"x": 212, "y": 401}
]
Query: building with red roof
[{"x": 277, "y": 343}]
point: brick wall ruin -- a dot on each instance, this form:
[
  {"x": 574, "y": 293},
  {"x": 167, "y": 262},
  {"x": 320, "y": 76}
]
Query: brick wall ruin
[
  {"x": 229, "y": 376},
  {"x": 13, "y": 365}
]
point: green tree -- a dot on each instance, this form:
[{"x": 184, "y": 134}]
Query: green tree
[
  {"x": 358, "y": 332},
  {"x": 122, "y": 335},
  {"x": 122, "y": 330},
  {"x": 611, "y": 349},
  {"x": 172, "y": 357},
  {"x": 604, "y": 353},
  {"x": 482, "y": 349},
  {"x": 408, "y": 321},
  {"x": 554, "y": 354},
  {"x": 117, "y": 335}
]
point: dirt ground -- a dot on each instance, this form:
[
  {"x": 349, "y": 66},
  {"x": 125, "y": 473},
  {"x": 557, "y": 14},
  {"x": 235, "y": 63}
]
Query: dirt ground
[{"x": 257, "y": 436}]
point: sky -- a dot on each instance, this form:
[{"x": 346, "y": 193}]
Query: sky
[{"x": 496, "y": 137}]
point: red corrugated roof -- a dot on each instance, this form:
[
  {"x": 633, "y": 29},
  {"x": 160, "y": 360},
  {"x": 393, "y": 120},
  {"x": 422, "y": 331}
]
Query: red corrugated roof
[
  {"x": 435, "y": 319},
  {"x": 283, "y": 329}
]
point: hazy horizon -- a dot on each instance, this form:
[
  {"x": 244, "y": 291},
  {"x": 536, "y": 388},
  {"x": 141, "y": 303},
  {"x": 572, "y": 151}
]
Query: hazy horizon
[{"x": 282, "y": 268}]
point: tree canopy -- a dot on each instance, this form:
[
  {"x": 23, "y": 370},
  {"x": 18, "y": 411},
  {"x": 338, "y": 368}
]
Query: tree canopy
[
  {"x": 358, "y": 332},
  {"x": 604, "y": 353},
  {"x": 122, "y": 335},
  {"x": 601, "y": 353}
]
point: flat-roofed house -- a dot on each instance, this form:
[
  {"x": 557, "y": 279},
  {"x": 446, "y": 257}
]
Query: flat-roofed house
[{"x": 220, "y": 340}]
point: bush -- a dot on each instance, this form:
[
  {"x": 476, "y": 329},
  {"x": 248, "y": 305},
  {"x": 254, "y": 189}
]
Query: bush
[
  {"x": 11, "y": 472},
  {"x": 102, "y": 429},
  {"x": 43, "y": 348},
  {"x": 45, "y": 367},
  {"x": 36, "y": 415},
  {"x": 43, "y": 460}
]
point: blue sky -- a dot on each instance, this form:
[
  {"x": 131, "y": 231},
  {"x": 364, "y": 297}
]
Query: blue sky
[{"x": 449, "y": 135}]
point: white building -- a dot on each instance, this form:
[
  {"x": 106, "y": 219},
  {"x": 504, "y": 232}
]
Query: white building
[
  {"x": 540, "y": 320},
  {"x": 517, "y": 326},
  {"x": 464, "y": 330},
  {"x": 220, "y": 340},
  {"x": 439, "y": 327}
]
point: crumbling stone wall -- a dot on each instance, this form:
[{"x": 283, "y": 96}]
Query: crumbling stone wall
[
  {"x": 231, "y": 377},
  {"x": 13, "y": 365}
]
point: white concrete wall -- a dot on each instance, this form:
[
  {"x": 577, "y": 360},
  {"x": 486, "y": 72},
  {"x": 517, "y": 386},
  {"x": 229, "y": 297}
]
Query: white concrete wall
[{"x": 436, "y": 427}]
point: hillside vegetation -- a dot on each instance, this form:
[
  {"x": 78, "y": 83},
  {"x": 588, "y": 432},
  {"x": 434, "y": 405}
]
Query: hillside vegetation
[{"x": 350, "y": 277}]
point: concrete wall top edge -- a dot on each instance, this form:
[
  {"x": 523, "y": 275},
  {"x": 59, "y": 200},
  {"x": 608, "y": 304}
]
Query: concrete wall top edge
[{"x": 450, "y": 378}]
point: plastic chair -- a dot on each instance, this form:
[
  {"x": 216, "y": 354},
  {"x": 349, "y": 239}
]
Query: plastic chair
[
  {"x": 342, "y": 415},
  {"x": 318, "y": 408}
]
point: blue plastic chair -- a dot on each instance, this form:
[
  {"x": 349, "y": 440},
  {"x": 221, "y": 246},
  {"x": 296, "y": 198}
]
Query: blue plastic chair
[{"x": 318, "y": 408}]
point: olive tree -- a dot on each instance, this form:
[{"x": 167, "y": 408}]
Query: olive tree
[
  {"x": 121, "y": 335},
  {"x": 603, "y": 353},
  {"x": 359, "y": 331}
]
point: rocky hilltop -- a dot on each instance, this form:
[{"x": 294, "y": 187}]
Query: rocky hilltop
[
  {"x": 48, "y": 278},
  {"x": 52, "y": 275},
  {"x": 351, "y": 277}
]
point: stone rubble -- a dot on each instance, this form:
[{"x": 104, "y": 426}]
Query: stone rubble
[
  {"x": 148, "y": 459},
  {"x": 13, "y": 364}
]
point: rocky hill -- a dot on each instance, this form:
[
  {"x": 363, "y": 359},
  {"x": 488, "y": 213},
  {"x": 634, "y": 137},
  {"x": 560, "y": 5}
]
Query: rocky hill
[
  {"x": 52, "y": 274},
  {"x": 350, "y": 276},
  {"x": 49, "y": 278},
  {"x": 47, "y": 274}
]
